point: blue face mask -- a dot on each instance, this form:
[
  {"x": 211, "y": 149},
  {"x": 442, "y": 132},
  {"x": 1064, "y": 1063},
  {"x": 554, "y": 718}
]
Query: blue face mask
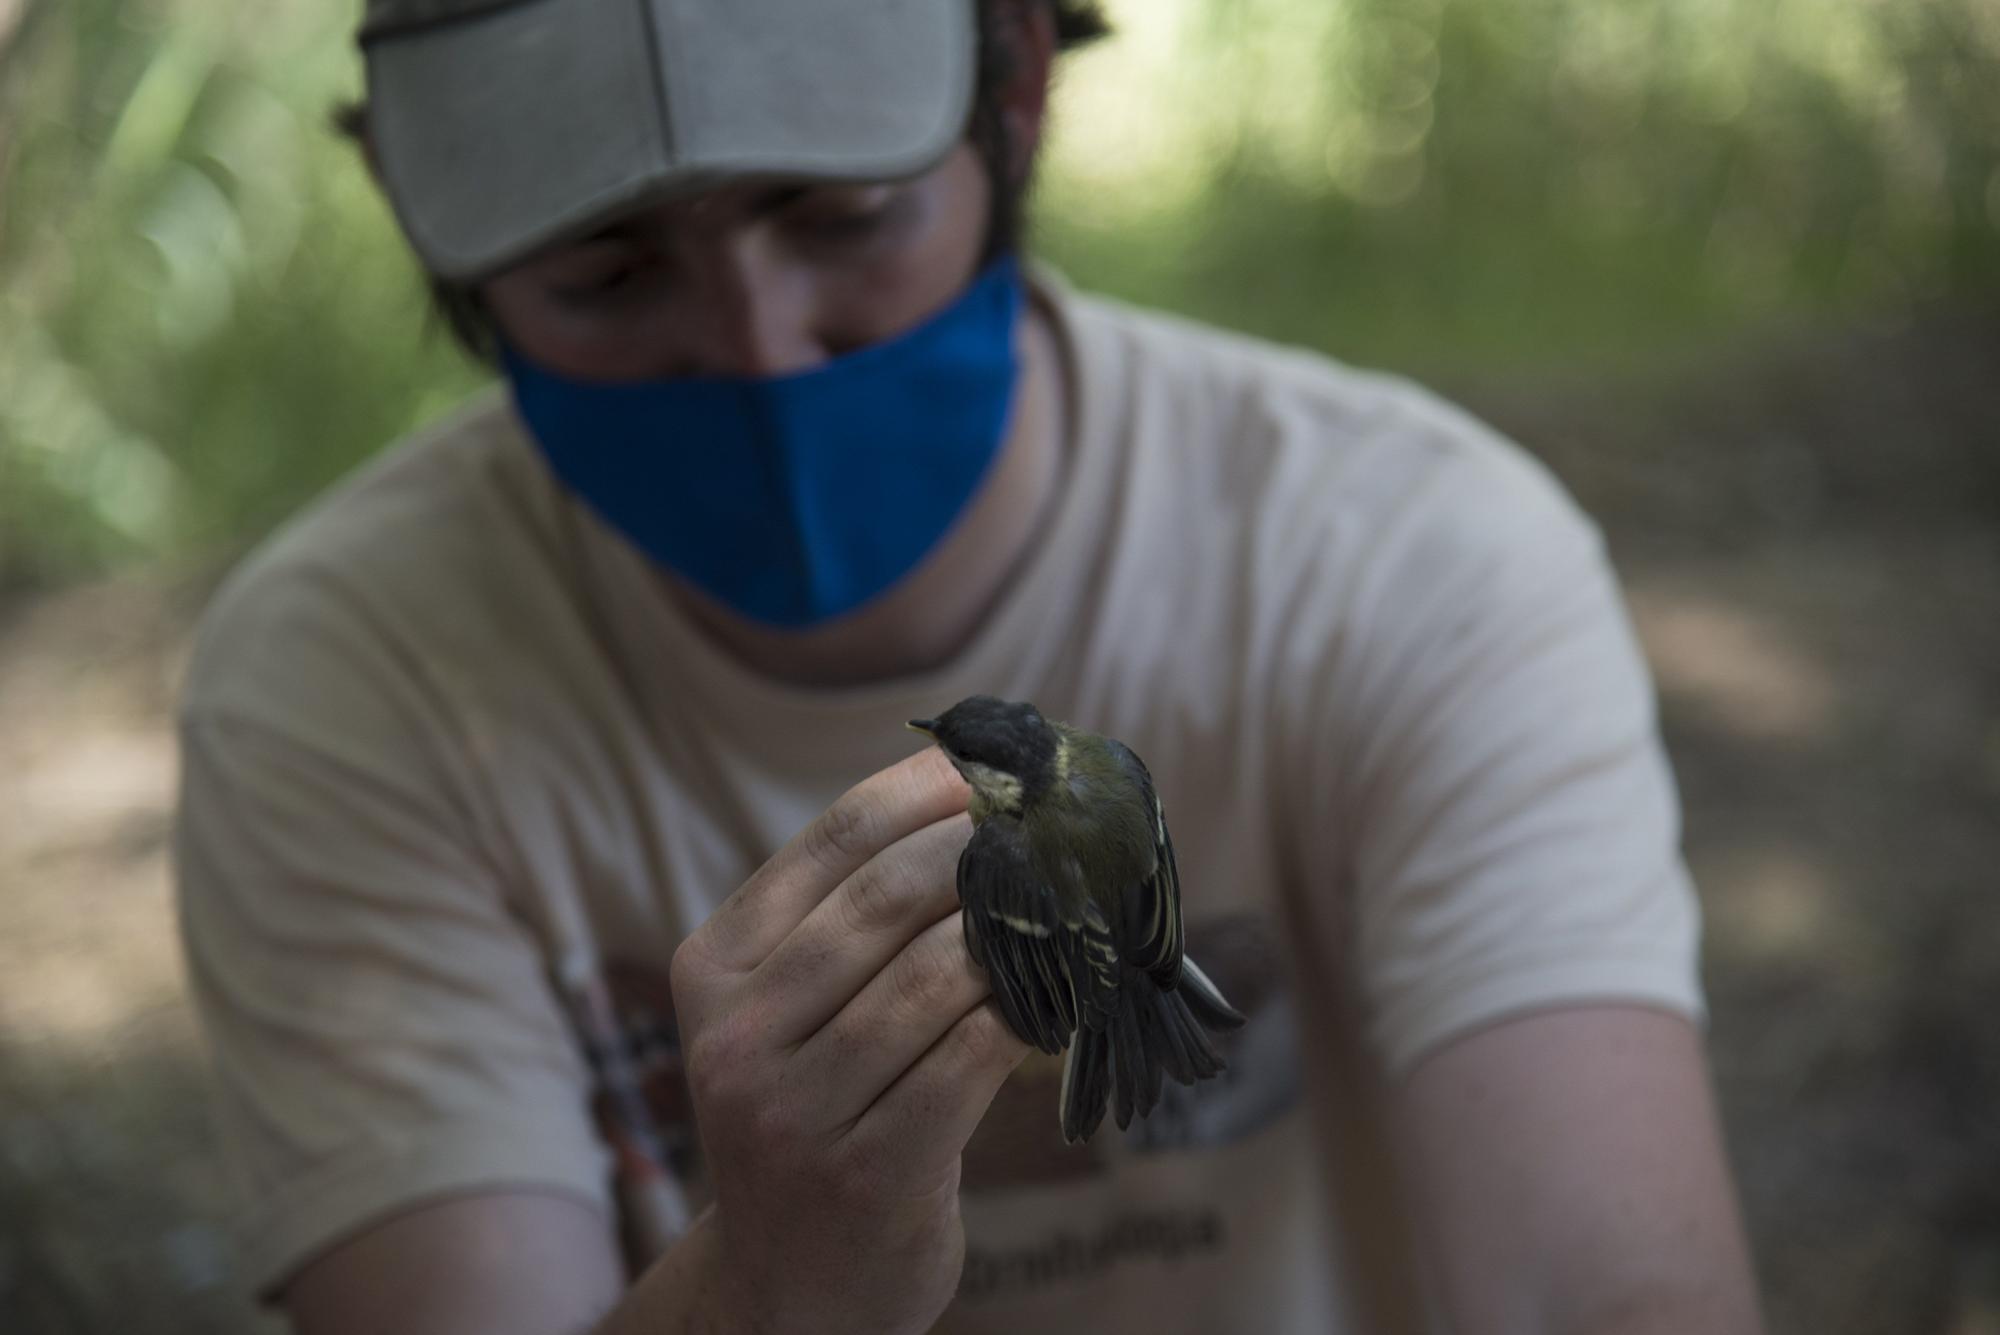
[{"x": 797, "y": 498}]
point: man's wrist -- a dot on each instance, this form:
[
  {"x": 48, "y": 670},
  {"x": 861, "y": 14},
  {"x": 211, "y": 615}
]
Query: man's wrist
[{"x": 682, "y": 1292}]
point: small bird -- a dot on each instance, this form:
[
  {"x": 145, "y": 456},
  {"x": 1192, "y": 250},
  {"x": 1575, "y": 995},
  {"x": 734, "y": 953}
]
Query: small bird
[{"x": 1073, "y": 907}]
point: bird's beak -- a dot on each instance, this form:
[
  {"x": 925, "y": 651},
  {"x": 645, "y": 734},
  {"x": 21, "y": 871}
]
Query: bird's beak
[{"x": 926, "y": 726}]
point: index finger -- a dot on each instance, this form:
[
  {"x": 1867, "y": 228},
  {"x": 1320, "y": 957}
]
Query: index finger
[{"x": 884, "y": 807}]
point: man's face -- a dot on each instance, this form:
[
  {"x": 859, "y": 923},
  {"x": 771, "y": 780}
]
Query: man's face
[{"x": 749, "y": 280}]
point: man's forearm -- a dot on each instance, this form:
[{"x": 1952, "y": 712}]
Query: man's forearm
[
  {"x": 680, "y": 1293},
  {"x": 1672, "y": 1313}
]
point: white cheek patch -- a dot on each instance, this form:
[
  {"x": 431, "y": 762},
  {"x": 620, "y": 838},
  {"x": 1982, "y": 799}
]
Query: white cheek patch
[{"x": 1000, "y": 790}]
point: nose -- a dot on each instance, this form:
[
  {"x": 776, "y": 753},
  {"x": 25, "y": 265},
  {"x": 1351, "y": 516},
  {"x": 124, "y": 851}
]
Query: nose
[{"x": 746, "y": 316}]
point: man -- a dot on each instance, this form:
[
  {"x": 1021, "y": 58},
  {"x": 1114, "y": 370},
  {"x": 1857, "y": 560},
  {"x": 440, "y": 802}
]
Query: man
[{"x": 575, "y": 931}]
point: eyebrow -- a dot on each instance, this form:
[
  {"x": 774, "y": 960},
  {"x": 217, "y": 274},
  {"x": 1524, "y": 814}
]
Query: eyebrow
[
  {"x": 777, "y": 197},
  {"x": 763, "y": 204}
]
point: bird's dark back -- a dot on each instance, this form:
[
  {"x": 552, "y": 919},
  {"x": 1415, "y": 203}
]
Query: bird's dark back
[{"x": 1094, "y": 822}]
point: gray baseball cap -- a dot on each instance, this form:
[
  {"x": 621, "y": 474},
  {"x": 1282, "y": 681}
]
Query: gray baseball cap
[{"x": 500, "y": 126}]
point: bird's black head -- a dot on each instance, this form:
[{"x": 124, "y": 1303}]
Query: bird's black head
[{"x": 1005, "y": 749}]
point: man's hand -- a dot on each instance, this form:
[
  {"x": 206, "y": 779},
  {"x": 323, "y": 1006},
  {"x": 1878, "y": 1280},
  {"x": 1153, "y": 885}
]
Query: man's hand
[{"x": 841, "y": 1049}]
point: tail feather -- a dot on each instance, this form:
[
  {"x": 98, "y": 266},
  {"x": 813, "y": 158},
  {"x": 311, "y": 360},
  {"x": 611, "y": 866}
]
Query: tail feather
[
  {"x": 1205, "y": 999},
  {"x": 1157, "y": 1039},
  {"x": 1172, "y": 1044},
  {"x": 1128, "y": 1062},
  {"x": 1086, "y": 1083},
  {"x": 1151, "y": 1035}
]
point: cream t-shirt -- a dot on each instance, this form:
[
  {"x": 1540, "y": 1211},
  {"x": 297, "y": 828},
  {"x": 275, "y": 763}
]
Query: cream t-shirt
[{"x": 458, "y": 779}]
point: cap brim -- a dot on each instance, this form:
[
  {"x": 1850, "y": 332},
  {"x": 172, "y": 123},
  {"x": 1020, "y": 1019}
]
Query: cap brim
[{"x": 501, "y": 134}]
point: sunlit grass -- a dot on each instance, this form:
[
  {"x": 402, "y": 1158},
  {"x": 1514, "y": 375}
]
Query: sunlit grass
[{"x": 1528, "y": 183}]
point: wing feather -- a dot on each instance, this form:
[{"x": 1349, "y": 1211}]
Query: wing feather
[
  {"x": 1015, "y": 930},
  {"x": 1154, "y": 909}
]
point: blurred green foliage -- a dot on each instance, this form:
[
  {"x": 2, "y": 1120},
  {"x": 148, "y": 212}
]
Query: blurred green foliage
[{"x": 206, "y": 314}]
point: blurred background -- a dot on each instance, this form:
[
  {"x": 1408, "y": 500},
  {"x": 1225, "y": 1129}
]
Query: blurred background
[{"x": 1732, "y": 267}]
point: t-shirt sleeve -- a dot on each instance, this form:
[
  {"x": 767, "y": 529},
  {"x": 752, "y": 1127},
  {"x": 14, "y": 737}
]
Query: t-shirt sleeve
[
  {"x": 383, "y": 1028},
  {"x": 1510, "y": 831}
]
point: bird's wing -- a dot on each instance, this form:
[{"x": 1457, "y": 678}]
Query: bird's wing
[
  {"x": 1048, "y": 967},
  {"x": 1153, "y": 932}
]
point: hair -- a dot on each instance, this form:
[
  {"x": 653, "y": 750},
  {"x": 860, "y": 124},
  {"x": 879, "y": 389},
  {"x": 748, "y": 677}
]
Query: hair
[{"x": 458, "y": 306}]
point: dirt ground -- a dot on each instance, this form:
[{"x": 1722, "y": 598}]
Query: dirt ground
[{"x": 1810, "y": 535}]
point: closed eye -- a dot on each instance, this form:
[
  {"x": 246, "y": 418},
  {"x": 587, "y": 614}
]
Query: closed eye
[
  {"x": 847, "y": 217},
  {"x": 598, "y": 285},
  {"x": 611, "y": 284}
]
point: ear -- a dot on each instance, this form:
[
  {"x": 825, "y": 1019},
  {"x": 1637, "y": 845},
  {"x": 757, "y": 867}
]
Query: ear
[
  {"x": 1028, "y": 28},
  {"x": 350, "y": 122}
]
